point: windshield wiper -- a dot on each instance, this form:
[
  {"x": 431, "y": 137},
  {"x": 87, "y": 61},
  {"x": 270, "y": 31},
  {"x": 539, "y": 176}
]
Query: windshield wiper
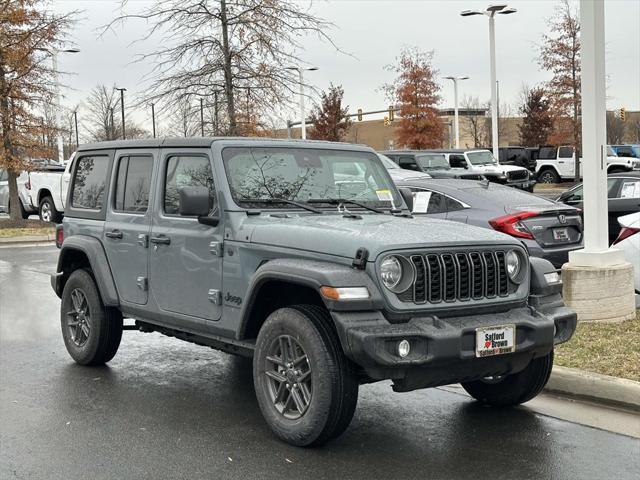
[
  {"x": 271, "y": 201},
  {"x": 338, "y": 201}
]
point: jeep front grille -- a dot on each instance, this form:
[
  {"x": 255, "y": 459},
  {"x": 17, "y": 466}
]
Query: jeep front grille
[
  {"x": 516, "y": 175},
  {"x": 461, "y": 276}
]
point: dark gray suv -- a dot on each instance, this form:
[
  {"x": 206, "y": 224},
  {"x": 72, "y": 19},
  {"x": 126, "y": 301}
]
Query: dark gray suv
[{"x": 270, "y": 249}]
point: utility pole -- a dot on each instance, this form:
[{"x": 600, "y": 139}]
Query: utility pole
[
  {"x": 215, "y": 113},
  {"x": 122, "y": 90},
  {"x": 202, "y": 117},
  {"x": 153, "y": 119},
  {"x": 112, "y": 130},
  {"x": 75, "y": 119},
  {"x": 303, "y": 126}
]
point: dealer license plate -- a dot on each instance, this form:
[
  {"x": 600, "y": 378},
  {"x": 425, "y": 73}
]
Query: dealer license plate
[
  {"x": 561, "y": 234},
  {"x": 495, "y": 340}
]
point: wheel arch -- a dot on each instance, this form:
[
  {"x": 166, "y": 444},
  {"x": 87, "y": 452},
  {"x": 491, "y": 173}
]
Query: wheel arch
[
  {"x": 285, "y": 282},
  {"x": 44, "y": 192},
  {"x": 83, "y": 251}
]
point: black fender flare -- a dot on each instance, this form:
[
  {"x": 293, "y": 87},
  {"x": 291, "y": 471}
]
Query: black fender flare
[
  {"x": 312, "y": 274},
  {"x": 94, "y": 251}
]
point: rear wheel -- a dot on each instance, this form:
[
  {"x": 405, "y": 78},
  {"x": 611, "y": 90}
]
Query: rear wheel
[
  {"x": 47, "y": 211},
  {"x": 548, "y": 176},
  {"x": 306, "y": 388},
  {"x": 91, "y": 331},
  {"x": 513, "y": 389}
]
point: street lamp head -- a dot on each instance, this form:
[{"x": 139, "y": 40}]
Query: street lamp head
[
  {"x": 463, "y": 77},
  {"x": 496, "y": 8},
  {"x": 70, "y": 50},
  {"x": 311, "y": 69},
  {"x": 469, "y": 13},
  {"x": 507, "y": 11},
  {"x": 120, "y": 89}
]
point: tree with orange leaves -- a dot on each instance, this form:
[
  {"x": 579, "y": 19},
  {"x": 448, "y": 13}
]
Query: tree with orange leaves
[
  {"x": 560, "y": 55},
  {"x": 28, "y": 35},
  {"x": 330, "y": 119},
  {"x": 417, "y": 94}
]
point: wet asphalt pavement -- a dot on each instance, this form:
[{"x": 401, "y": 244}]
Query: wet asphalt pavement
[{"x": 165, "y": 409}]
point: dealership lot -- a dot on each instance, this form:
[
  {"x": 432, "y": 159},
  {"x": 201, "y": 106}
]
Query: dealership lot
[{"x": 167, "y": 409}]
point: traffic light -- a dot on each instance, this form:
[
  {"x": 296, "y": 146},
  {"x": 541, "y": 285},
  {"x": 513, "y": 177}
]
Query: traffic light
[
  {"x": 623, "y": 114},
  {"x": 391, "y": 113},
  {"x": 359, "y": 114},
  {"x": 387, "y": 122}
]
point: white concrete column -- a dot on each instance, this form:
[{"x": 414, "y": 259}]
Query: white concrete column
[{"x": 597, "y": 281}]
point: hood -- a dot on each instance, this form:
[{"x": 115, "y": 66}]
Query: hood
[
  {"x": 333, "y": 234},
  {"x": 400, "y": 175}
]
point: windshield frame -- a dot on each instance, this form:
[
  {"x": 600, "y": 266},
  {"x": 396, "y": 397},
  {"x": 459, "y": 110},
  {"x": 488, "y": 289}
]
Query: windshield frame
[{"x": 382, "y": 173}]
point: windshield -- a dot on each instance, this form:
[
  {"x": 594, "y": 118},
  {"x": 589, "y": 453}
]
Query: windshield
[
  {"x": 611, "y": 152},
  {"x": 388, "y": 163},
  {"x": 483, "y": 157},
  {"x": 300, "y": 174},
  {"x": 435, "y": 161}
]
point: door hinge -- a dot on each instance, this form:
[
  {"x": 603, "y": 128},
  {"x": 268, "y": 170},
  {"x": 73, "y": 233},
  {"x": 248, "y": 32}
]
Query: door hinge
[
  {"x": 215, "y": 296},
  {"x": 143, "y": 240},
  {"x": 216, "y": 248},
  {"x": 142, "y": 283}
]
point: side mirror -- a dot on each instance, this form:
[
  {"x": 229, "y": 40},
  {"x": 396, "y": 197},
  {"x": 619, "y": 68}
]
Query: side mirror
[
  {"x": 194, "y": 202},
  {"x": 407, "y": 196}
]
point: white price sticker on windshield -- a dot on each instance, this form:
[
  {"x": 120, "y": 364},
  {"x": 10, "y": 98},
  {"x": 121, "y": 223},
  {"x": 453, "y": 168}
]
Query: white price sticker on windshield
[{"x": 384, "y": 195}]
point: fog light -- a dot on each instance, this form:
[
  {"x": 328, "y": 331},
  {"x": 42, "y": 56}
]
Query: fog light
[{"x": 404, "y": 347}]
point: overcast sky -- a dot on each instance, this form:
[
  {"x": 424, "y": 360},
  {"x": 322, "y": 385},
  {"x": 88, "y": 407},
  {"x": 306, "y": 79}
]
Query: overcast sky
[{"x": 373, "y": 32}]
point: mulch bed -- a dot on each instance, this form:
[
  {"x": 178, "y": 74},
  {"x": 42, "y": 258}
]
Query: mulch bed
[{"x": 8, "y": 223}]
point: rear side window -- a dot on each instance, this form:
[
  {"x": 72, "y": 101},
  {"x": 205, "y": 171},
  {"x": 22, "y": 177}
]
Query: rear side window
[
  {"x": 89, "y": 182},
  {"x": 565, "y": 152},
  {"x": 187, "y": 171},
  {"x": 408, "y": 163},
  {"x": 133, "y": 184}
]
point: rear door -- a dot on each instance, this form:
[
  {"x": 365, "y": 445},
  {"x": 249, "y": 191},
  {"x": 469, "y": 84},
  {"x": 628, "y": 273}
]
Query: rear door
[
  {"x": 185, "y": 256},
  {"x": 126, "y": 230}
]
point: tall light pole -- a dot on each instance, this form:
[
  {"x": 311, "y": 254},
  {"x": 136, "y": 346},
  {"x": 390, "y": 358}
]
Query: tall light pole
[
  {"x": 122, "y": 90},
  {"x": 455, "y": 105},
  {"x": 153, "y": 119},
  {"x": 303, "y": 123},
  {"x": 75, "y": 119},
  {"x": 56, "y": 87},
  {"x": 491, "y": 12}
]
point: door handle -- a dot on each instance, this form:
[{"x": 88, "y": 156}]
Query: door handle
[
  {"x": 160, "y": 240},
  {"x": 117, "y": 234}
]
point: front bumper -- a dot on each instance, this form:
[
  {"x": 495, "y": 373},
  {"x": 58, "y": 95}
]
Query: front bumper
[
  {"x": 443, "y": 349},
  {"x": 523, "y": 185}
]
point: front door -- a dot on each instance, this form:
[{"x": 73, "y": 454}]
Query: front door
[
  {"x": 128, "y": 221},
  {"x": 185, "y": 255}
]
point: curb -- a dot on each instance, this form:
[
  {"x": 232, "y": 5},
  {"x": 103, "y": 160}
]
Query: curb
[
  {"x": 28, "y": 239},
  {"x": 573, "y": 382}
]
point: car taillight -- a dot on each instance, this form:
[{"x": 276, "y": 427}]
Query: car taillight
[
  {"x": 510, "y": 224},
  {"x": 626, "y": 232},
  {"x": 59, "y": 236}
]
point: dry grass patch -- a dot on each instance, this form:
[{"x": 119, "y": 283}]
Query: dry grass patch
[{"x": 606, "y": 348}]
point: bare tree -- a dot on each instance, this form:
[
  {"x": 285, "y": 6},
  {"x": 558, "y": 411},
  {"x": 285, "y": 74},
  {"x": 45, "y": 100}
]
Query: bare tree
[
  {"x": 185, "y": 120},
  {"x": 475, "y": 122},
  {"x": 104, "y": 117},
  {"x": 616, "y": 128},
  {"x": 227, "y": 46}
]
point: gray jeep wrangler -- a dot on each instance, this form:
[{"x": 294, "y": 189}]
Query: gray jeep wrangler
[{"x": 304, "y": 256}]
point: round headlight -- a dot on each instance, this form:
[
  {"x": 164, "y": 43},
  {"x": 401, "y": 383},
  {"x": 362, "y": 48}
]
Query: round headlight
[
  {"x": 391, "y": 272},
  {"x": 513, "y": 264}
]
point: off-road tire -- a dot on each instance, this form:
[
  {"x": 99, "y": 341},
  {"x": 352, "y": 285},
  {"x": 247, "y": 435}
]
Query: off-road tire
[
  {"x": 105, "y": 331},
  {"x": 47, "y": 211},
  {"x": 513, "y": 389},
  {"x": 334, "y": 382},
  {"x": 548, "y": 175}
]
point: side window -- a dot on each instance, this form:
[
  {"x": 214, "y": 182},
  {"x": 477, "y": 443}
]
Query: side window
[
  {"x": 457, "y": 161},
  {"x": 565, "y": 152},
  {"x": 408, "y": 163},
  {"x": 133, "y": 184},
  {"x": 437, "y": 203},
  {"x": 89, "y": 182},
  {"x": 453, "y": 205},
  {"x": 187, "y": 171},
  {"x": 630, "y": 189}
]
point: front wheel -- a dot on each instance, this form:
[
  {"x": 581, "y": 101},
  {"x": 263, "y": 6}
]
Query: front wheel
[
  {"x": 515, "y": 388},
  {"x": 306, "y": 388},
  {"x": 91, "y": 331}
]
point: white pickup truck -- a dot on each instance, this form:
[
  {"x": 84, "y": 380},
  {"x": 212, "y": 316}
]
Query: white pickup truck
[
  {"x": 46, "y": 191},
  {"x": 555, "y": 164}
]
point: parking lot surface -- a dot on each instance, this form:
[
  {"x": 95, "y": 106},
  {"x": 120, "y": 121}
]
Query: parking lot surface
[{"x": 165, "y": 409}]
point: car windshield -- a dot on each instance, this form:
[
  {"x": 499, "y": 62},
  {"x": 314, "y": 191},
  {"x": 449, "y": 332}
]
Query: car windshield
[
  {"x": 483, "y": 157},
  {"x": 611, "y": 152},
  {"x": 300, "y": 174},
  {"x": 435, "y": 161}
]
